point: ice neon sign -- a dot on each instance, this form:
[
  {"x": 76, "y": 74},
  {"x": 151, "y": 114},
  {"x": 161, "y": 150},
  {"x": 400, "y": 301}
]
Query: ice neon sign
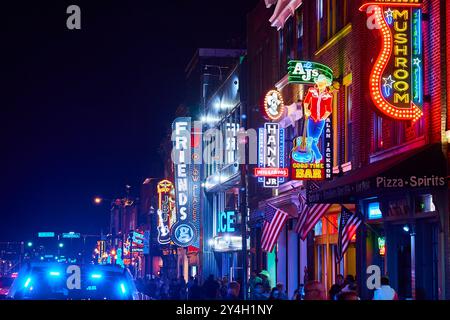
[{"x": 396, "y": 80}]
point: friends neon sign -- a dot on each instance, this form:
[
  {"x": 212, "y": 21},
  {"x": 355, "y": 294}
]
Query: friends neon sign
[
  {"x": 187, "y": 184},
  {"x": 396, "y": 80}
]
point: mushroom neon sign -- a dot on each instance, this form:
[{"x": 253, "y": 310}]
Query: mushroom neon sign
[{"x": 396, "y": 79}]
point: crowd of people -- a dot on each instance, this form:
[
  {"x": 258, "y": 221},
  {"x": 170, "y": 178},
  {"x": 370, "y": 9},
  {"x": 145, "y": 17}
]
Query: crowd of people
[{"x": 259, "y": 288}]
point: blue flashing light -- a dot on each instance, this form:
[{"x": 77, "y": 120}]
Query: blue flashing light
[
  {"x": 96, "y": 276},
  {"x": 61, "y": 245},
  {"x": 27, "y": 283},
  {"x": 122, "y": 288},
  {"x": 55, "y": 273}
]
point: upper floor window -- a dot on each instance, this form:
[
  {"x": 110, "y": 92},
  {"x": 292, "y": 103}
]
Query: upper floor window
[
  {"x": 332, "y": 16},
  {"x": 348, "y": 118},
  {"x": 281, "y": 53},
  {"x": 300, "y": 33},
  {"x": 321, "y": 22}
]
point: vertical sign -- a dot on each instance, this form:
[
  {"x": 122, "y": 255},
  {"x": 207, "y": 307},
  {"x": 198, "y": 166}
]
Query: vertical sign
[
  {"x": 147, "y": 242},
  {"x": 164, "y": 188},
  {"x": 195, "y": 184},
  {"x": 396, "y": 79},
  {"x": 328, "y": 147},
  {"x": 270, "y": 170},
  {"x": 272, "y": 138},
  {"x": 184, "y": 233}
]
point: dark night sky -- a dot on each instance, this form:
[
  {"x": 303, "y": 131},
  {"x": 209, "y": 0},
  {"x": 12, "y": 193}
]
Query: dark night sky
[{"x": 83, "y": 112}]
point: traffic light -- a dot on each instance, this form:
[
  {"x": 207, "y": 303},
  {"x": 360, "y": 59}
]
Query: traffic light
[{"x": 30, "y": 244}]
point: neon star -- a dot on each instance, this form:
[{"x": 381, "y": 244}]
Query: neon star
[
  {"x": 389, "y": 13},
  {"x": 417, "y": 61},
  {"x": 388, "y": 82}
]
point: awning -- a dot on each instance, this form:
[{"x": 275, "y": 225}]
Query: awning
[{"x": 420, "y": 168}]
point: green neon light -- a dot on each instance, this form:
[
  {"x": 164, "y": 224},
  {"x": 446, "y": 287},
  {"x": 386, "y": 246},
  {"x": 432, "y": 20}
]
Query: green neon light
[
  {"x": 307, "y": 71},
  {"x": 417, "y": 58}
]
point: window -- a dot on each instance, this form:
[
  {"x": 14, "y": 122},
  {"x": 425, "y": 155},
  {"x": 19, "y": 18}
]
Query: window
[
  {"x": 300, "y": 33},
  {"x": 377, "y": 132},
  {"x": 321, "y": 23},
  {"x": 332, "y": 16},
  {"x": 348, "y": 122},
  {"x": 334, "y": 119},
  {"x": 281, "y": 50},
  {"x": 290, "y": 40}
]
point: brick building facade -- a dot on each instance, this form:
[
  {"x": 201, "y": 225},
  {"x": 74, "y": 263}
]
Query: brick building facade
[{"x": 367, "y": 145}]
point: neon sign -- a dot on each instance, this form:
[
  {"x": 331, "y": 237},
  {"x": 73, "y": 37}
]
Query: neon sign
[
  {"x": 186, "y": 160},
  {"x": 225, "y": 222},
  {"x": 307, "y": 72},
  {"x": 270, "y": 170},
  {"x": 273, "y": 106},
  {"x": 381, "y": 246},
  {"x": 396, "y": 80},
  {"x": 164, "y": 189},
  {"x": 313, "y": 151}
]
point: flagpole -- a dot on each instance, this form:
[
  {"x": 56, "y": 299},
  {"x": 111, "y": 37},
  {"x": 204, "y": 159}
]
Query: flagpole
[{"x": 365, "y": 223}]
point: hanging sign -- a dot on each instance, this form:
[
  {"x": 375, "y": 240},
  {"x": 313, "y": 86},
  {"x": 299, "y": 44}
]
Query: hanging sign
[
  {"x": 311, "y": 156},
  {"x": 164, "y": 188},
  {"x": 307, "y": 72},
  {"x": 186, "y": 159},
  {"x": 274, "y": 107},
  {"x": 396, "y": 80},
  {"x": 270, "y": 170}
]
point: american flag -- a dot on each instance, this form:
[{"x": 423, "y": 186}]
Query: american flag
[
  {"x": 348, "y": 224},
  {"x": 274, "y": 220},
  {"x": 308, "y": 218}
]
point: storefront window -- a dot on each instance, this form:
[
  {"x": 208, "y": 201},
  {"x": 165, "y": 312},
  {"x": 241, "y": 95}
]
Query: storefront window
[
  {"x": 424, "y": 203},
  {"x": 318, "y": 228}
]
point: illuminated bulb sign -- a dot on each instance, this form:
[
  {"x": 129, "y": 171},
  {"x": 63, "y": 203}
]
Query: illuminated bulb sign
[
  {"x": 274, "y": 108},
  {"x": 270, "y": 170},
  {"x": 307, "y": 72},
  {"x": 396, "y": 80},
  {"x": 312, "y": 153},
  {"x": 186, "y": 158},
  {"x": 164, "y": 189}
]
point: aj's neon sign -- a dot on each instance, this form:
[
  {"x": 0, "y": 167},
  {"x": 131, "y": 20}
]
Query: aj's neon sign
[{"x": 396, "y": 80}]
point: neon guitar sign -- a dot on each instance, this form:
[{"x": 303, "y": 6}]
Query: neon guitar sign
[
  {"x": 396, "y": 80},
  {"x": 164, "y": 189}
]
